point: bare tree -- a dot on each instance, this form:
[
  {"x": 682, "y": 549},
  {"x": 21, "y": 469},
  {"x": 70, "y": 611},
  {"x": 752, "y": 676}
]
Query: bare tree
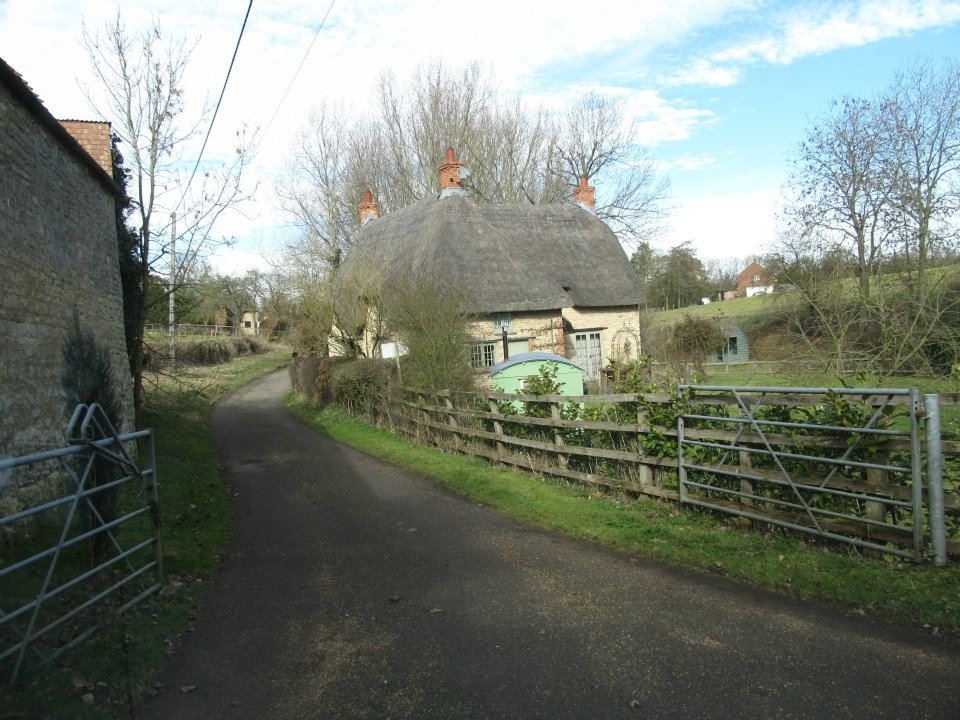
[
  {"x": 514, "y": 154},
  {"x": 841, "y": 187},
  {"x": 140, "y": 77},
  {"x": 598, "y": 141},
  {"x": 721, "y": 272},
  {"x": 922, "y": 114}
]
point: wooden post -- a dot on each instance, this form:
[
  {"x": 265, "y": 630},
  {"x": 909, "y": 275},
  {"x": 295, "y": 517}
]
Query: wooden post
[
  {"x": 645, "y": 472},
  {"x": 746, "y": 486},
  {"x": 452, "y": 420},
  {"x": 422, "y": 414},
  {"x": 562, "y": 459},
  {"x": 879, "y": 479},
  {"x": 497, "y": 428}
]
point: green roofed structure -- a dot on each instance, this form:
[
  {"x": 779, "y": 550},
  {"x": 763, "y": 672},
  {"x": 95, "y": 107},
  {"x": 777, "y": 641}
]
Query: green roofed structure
[{"x": 509, "y": 376}]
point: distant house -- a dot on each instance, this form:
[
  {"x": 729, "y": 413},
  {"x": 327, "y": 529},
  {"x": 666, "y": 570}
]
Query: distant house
[
  {"x": 553, "y": 277},
  {"x": 249, "y": 323},
  {"x": 58, "y": 254},
  {"x": 754, "y": 280}
]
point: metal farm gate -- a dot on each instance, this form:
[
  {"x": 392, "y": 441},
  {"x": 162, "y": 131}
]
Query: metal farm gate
[
  {"x": 843, "y": 464},
  {"x": 74, "y": 562}
]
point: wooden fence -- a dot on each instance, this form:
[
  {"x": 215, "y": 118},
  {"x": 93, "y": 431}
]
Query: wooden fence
[{"x": 628, "y": 442}]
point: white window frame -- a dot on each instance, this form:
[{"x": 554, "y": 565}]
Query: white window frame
[
  {"x": 584, "y": 343},
  {"x": 483, "y": 355}
]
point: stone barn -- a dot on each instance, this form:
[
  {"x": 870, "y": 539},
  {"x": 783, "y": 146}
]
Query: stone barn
[{"x": 58, "y": 256}]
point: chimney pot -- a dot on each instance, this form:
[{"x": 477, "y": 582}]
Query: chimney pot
[
  {"x": 585, "y": 195},
  {"x": 450, "y": 172},
  {"x": 369, "y": 210}
]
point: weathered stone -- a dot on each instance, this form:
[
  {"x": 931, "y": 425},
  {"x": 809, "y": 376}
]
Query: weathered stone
[{"x": 58, "y": 252}]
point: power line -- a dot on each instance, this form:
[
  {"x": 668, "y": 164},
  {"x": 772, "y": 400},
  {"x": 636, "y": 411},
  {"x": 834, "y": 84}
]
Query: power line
[
  {"x": 217, "y": 108},
  {"x": 299, "y": 68}
]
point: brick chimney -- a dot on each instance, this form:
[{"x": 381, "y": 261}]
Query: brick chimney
[
  {"x": 369, "y": 210},
  {"x": 585, "y": 195},
  {"x": 450, "y": 172}
]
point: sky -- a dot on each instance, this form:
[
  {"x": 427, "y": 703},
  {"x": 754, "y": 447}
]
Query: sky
[{"x": 722, "y": 90}]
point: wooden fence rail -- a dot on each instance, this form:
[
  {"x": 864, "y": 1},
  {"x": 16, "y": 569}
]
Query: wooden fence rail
[{"x": 540, "y": 434}]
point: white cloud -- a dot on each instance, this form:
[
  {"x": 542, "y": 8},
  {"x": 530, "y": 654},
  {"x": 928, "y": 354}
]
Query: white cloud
[
  {"x": 806, "y": 30},
  {"x": 687, "y": 162},
  {"x": 703, "y": 72},
  {"x": 730, "y": 224}
]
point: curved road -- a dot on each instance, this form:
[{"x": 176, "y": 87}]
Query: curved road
[{"x": 354, "y": 589}]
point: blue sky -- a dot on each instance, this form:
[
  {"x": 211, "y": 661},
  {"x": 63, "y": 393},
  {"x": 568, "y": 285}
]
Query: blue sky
[{"x": 722, "y": 89}]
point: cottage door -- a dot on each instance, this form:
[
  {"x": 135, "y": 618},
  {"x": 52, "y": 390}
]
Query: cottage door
[{"x": 587, "y": 346}]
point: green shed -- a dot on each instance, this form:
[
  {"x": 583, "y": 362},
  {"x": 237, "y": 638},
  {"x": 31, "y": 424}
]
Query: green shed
[{"x": 508, "y": 376}]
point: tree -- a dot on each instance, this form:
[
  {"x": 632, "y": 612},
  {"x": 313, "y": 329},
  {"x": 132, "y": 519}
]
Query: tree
[
  {"x": 140, "y": 79},
  {"x": 676, "y": 278},
  {"x": 514, "y": 154},
  {"x": 921, "y": 115},
  {"x": 839, "y": 178},
  {"x": 597, "y": 141},
  {"x": 425, "y": 315},
  {"x": 721, "y": 273},
  {"x": 694, "y": 337}
]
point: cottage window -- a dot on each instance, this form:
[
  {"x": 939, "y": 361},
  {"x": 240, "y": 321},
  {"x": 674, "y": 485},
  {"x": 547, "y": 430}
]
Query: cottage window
[
  {"x": 247, "y": 323},
  {"x": 756, "y": 278},
  {"x": 481, "y": 355},
  {"x": 589, "y": 353}
]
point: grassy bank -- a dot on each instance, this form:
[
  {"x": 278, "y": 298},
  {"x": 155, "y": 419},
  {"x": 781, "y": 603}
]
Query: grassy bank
[
  {"x": 117, "y": 664},
  {"x": 883, "y": 588}
]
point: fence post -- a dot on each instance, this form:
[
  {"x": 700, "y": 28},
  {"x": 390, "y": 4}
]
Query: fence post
[
  {"x": 644, "y": 471},
  {"x": 452, "y": 420},
  {"x": 153, "y": 495},
  {"x": 879, "y": 479},
  {"x": 558, "y": 440},
  {"x": 421, "y": 417},
  {"x": 938, "y": 530},
  {"x": 497, "y": 427}
]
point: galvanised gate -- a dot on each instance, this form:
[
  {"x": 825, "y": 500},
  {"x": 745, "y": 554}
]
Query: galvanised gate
[
  {"x": 844, "y": 464},
  {"x": 80, "y": 564}
]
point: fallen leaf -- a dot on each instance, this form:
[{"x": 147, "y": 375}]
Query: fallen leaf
[{"x": 188, "y": 688}]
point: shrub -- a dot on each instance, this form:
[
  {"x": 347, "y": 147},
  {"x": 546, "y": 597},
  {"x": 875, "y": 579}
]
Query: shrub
[
  {"x": 208, "y": 351},
  {"x": 358, "y": 384},
  {"x": 694, "y": 337},
  {"x": 310, "y": 377}
]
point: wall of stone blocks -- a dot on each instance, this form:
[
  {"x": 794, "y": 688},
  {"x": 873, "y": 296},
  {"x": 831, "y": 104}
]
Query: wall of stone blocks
[
  {"x": 58, "y": 251},
  {"x": 543, "y": 329},
  {"x": 616, "y": 324}
]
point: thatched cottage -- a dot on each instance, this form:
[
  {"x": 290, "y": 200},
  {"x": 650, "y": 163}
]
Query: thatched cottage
[{"x": 553, "y": 276}]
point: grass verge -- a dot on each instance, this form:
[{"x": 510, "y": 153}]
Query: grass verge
[
  {"x": 115, "y": 667},
  {"x": 883, "y": 588}
]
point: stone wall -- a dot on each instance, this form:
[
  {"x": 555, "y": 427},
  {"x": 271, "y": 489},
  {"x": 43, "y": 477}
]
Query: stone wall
[
  {"x": 619, "y": 330},
  {"x": 545, "y": 332},
  {"x": 58, "y": 251}
]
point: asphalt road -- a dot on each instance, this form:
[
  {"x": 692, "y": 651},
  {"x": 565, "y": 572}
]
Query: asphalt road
[{"x": 354, "y": 589}]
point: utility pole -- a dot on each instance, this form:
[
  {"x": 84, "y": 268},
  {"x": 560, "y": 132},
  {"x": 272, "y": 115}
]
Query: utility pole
[{"x": 171, "y": 317}]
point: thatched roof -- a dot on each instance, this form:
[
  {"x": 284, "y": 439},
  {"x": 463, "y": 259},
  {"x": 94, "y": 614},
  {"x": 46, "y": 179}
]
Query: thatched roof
[{"x": 507, "y": 258}]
